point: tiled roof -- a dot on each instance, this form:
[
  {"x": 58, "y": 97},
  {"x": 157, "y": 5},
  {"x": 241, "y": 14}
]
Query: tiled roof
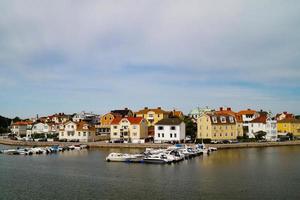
[
  {"x": 169, "y": 121},
  {"x": 292, "y": 120},
  {"x": 132, "y": 120},
  {"x": 82, "y": 124},
  {"x": 23, "y": 123},
  {"x": 218, "y": 117},
  {"x": 260, "y": 119},
  {"x": 155, "y": 110},
  {"x": 246, "y": 112}
]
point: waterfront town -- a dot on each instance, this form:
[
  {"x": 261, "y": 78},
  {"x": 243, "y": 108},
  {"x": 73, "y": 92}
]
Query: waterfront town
[{"x": 157, "y": 125}]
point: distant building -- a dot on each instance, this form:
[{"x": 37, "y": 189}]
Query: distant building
[
  {"x": 169, "y": 130},
  {"x": 264, "y": 123},
  {"x": 21, "y": 128},
  {"x": 130, "y": 129},
  {"x": 246, "y": 116},
  {"x": 122, "y": 113},
  {"x": 217, "y": 126},
  {"x": 57, "y": 118},
  {"x": 78, "y": 131},
  {"x": 284, "y": 115},
  {"x": 290, "y": 125},
  {"x": 84, "y": 116},
  {"x": 197, "y": 112},
  {"x": 153, "y": 115}
]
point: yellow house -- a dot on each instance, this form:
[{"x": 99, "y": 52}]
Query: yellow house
[
  {"x": 153, "y": 115},
  {"x": 289, "y": 126},
  {"x": 217, "y": 126},
  {"x": 131, "y": 129}
]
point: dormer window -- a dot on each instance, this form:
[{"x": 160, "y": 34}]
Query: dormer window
[
  {"x": 214, "y": 119},
  {"x": 223, "y": 119},
  {"x": 231, "y": 119}
]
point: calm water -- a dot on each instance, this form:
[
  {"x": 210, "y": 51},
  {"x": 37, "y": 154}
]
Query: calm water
[{"x": 268, "y": 173}]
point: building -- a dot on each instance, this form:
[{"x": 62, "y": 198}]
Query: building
[
  {"x": 84, "y": 116},
  {"x": 246, "y": 116},
  {"x": 169, "y": 130},
  {"x": 176, "y": 114},
  {"x": 44, "y": 128},
  {"x": 216, "y": 126},
  {"x": 130, "y": 129},
  {"x": 197, "y": 112},
  {"x": 21, "y": 128},
  {"x": 265, "y": 124},
  {"x": 78, "y": 131},
  {"x": 284, "y": 115},
  {"x": 153, "y": 115},
  {"x": 286, "y": 126},
  {"x": 58, "y": 118},
  {"x": 122, "y": 113},
  {"x": 105, "y": 121}
]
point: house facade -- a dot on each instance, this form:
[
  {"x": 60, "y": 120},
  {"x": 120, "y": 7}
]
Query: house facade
[
  {"x": 217, "y": 126},
  {"x": 21, "y": 128},
  {"x": 152, "y": 115},
  {"x": 264, "y": 123},
  {"x": 286, "y": 126},
  {"x": 131, "y": 129},
  {"x": 197, "y": 112},
  {"x": 81, "y": 131},
  {"x": 246, "y": 116},
  {"x": 169, "y": 130}
]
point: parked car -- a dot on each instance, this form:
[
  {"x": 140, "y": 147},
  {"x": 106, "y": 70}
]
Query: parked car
[
  {"x": 214, "y": 142},
  {"x": 227, "y": 141}
]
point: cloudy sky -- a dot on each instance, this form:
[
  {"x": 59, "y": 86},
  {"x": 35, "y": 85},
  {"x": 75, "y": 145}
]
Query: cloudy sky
[{"x": 99, "y": 55}]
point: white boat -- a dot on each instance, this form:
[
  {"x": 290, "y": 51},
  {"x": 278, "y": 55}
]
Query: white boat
[
  {"x": 212, "y": 148},
  {"x": 154, "y": 151},
  {"x": 11, "y": 151},
  {"x": 177, "y": 155},
  {"x": 118, "y": 157},
  {"x": 158, "y": 159}
]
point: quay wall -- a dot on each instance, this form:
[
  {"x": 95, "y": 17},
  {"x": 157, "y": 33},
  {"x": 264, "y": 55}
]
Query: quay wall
[{"x": 102, "y": 144}]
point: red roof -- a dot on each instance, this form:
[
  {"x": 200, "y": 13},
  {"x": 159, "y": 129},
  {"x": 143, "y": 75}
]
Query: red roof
[
  {"x": 260, "y": 119},
  {"x": 132, "y": 120},
  {"x": 23, "y": 123}
]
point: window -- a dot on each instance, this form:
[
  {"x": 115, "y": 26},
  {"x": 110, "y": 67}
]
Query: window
[
  {"x": 89, "y": 133},
  {"x": 223, "y": 119},
  {"x": 72, "y": 126},
  {"x": 214, "y": 119},
  {"x": 175, "y": 135},
  {"x": 173, "y": 127},
  {"x": 84, "y": 133},
  {"x": 115, "y": 127},
  {"x": 115, "y": 133},
  {"x": 78, "y": 133},
  {"x": 158, "y": 135},
  {"x": 225, "y": 134},
  {"x": 220, "y": 134},
  {"x": 134, "y": 127},
  {"x": 134, "y": 134},
  {"x": 215, "y": 135},
  {"x": 231, "y": 119},
  {"x": 231, "y": 134},
  {"x": 160, "y": 128},
  {"x": 162, "y": 135},
  {"x": 171, "y": 135}
]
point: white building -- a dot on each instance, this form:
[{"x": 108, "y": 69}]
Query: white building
[
  {"x": 84, "y": 116},
  {"x": 169, "y": 130},
  {"x": 21, "y": 128},
  {"x": 265, "y": 124}
]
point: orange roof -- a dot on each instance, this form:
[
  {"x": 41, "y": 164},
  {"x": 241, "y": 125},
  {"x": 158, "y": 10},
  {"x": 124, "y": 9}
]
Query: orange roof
[
  {"x": 246, "y": 112},
  {"x": 23, "y": 123},
  {"x": 132, "y": 120},
  {"x": 82, "y": 124}
]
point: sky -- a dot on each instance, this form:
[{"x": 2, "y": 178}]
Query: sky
[{"x": 71, "y": 56}]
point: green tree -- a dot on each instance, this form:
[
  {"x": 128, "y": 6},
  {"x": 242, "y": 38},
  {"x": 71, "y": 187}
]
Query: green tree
[{"x": 190, "y": 127}]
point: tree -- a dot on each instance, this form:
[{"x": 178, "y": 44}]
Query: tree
[
  {"x": 190, "y": 127},
  {"x": 260, "y": 135}
]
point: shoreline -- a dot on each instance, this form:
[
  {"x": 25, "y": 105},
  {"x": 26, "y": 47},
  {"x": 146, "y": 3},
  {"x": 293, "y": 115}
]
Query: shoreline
[{"x": 148, "y": 145}]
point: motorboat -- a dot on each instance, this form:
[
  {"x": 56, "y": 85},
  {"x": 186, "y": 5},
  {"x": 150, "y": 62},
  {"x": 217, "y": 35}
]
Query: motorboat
[
  {"x": 212, "y": 149},
  {"x": 177, "y": 155},
  {"x": 153, "y": 151},
  {"x": 118, "y": 157},
  {"x": 158, "y": 159},
  {"x": 11, "y": 151}
]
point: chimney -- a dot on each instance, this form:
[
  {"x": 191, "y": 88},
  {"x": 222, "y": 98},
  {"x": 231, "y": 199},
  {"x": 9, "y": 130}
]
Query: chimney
[
  {"x": 146, "y": 108},
  {"x": 229, "y": 109},
  {"x": 221, "y": 108},
  {"x": 159, "y": 108},
  {"x": 126, "y": 108}
]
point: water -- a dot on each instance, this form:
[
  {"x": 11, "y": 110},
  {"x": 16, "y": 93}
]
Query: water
[{"x": 266, "y": 173}]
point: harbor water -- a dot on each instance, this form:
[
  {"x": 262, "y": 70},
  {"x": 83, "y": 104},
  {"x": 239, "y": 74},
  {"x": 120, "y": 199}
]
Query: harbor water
[{"x": 255, "y": 173}]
